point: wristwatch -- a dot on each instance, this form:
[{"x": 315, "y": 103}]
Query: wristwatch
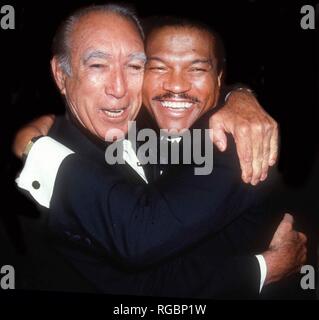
[
  {"x": 238, "y": 88},
  {"x": 29, "y": 146}
]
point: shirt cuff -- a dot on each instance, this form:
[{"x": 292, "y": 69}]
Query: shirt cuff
[
  {"x": 263, "y": 270},
  {"x": 41, "y": 168}
]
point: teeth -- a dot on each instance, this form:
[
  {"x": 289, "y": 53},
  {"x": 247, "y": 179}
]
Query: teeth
[
  {"x": 176, "y": 105},
  {"x": 114, "y": 113}
]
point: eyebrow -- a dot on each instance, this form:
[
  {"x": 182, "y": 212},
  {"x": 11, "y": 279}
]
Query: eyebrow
[
  {"x": 155, "y": 58},
  {"x": 95, "y": 54},
  {"x": 138, "y": 55},
  {"x": 103, "y": 55},
  {"x": 208, "y": 61}
]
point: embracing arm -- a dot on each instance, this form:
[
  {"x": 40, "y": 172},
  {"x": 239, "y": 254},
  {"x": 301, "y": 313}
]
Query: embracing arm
[
  {"x": 254, "y": 131},
  {"x": 150, "y": 223},
  {"x": 205, "y": 277},
  {"x": 139, "y": 224},
  {"x": 129, "y": 246},
  {"x": 144, "y": 224},
  {"x": 239, "y": 275}
]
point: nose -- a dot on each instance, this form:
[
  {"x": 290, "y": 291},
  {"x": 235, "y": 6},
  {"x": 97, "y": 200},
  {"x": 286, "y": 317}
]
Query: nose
[
  {"x": 117, "y": 84},
  {"x": 176, "y": 83}
]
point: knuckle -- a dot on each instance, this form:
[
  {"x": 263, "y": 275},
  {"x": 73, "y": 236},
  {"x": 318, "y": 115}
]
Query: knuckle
[
  {"x": 266, "y": 153},
  {"x": 274, "y": 124},
  {"x": 257, "y": 171},
  {"x": 258, "y": 128},
  {"x": 289, "y": 229},
  {"x": 245, "y": 156},
  {"x": 302, "y": 236},
  {"x": 258, "y": 159},
  {"x": 248, "y": 173},
  {"x": 247, "y": 163},
  {"x": 215, "y": 122},
  {"x": 248, "y": 158},
  {"x": 243, "y": 129},
  {"x": 264, "y": 173},
  {"x": 264, "y": 169},
  {"x": 268, "y": 128}
]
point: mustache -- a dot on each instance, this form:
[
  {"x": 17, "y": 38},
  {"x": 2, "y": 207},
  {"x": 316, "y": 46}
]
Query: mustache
[{"x": 181, "y": 96}]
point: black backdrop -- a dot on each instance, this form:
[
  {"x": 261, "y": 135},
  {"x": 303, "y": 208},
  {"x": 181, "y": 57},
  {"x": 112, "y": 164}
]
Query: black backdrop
[{"x": 266, "y": 49}]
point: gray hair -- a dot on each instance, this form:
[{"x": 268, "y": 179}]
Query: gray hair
[{"x": 61, "y": 41}]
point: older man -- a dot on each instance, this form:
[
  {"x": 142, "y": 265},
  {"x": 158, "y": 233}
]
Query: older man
[{"x": 123, "y": 236}]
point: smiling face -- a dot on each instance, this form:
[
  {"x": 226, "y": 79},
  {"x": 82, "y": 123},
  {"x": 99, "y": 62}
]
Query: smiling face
[
  {"x": 181, "y": 81},
  {"x": 107, "y": 62}
]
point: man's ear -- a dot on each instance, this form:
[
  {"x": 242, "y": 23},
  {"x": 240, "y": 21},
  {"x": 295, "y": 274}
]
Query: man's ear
[{"x": 58, "y": 74}]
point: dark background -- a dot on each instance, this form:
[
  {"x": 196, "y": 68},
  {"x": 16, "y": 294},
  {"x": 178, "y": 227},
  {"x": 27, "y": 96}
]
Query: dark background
[{"x": 266, "y": 50}]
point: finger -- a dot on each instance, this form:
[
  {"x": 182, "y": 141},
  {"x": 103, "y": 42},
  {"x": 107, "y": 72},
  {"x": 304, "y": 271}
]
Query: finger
[
  {"x": 304, "y": 258},
  {"x": 22, "y": 138},
  {"x": 257, "y": 147},
  {"x": 304, "y": 251},
  {"x": 50, "y": 120},
  {"x": 303, "y": 261},
  {"x": 274, "y": 141},
  {"x": 45, "y": 123},
  {"x": 288, "y": 218},
  {"x": 219, "y": 138},
  {"x": 264, "y": 170},
  {"x": 217, "y": 132},
  {"x": 52, "y": 116},
  {"x": 285, "y": 225},
  {"x": 244, "y": 150},
  {"x": 302, "y": 237},
  {"x": 266, "y": 153}
]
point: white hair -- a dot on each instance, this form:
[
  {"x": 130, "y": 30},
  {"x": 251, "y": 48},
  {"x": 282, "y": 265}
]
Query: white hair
[{"x": 61, "y": 42}]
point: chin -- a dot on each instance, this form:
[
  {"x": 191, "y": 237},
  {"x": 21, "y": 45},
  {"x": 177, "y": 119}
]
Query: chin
[{"x": 173, "y": 125}]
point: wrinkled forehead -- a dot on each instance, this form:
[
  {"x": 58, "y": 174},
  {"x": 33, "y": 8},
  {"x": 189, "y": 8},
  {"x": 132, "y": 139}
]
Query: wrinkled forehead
[
  {"x": 105, "y": 32},
  {"x": 180, "y": 42}
]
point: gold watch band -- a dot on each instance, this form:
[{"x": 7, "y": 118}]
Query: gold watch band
[{"x": 29, "y": 146}]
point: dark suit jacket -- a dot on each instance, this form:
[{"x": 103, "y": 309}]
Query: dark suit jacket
[{"x": 184, "y": 235}]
